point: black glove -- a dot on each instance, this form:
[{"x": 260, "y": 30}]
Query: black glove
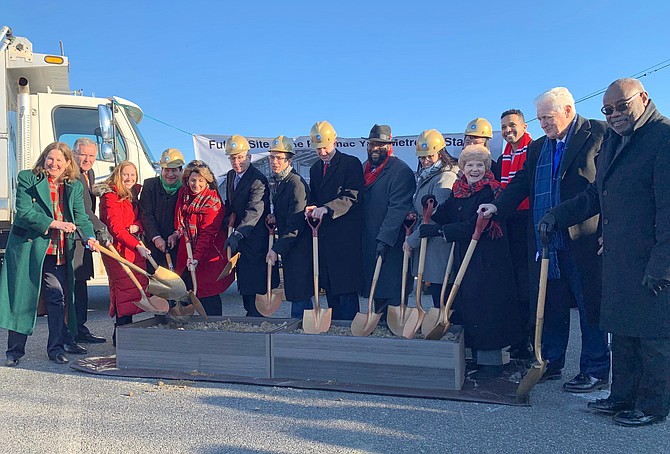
[
  {"x": 426, "y": 198},
  {"x": 428, "y": 230},
  {"x": 654, "y": 284},
  {"x": 382, "y": 250},
  {"x": 233, "y": 242},
  {"x": 547, "y": 226},
  {"x": 103, "y": 236}
]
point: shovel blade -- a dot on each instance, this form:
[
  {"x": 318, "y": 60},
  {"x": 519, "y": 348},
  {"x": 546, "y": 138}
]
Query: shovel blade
[
  {"x": 160, "y": 305},
  {"x": 316, "y": 321},
  {"x": 413, "y": 324},
  {"x": 531, "y": 379},
  {"x": 268, "y": 304},
  {"x": 230, "y": 266},
  {"x": 396, "y": 318},
  {"x": 438, "y": 332},
  {"x": 430, "y": 321},
  {"x": 144, "y": 305},
  {"x": 197, "y": 305},
  {"x": 364, "y": 324},
  {"x": 180, "y": 312}
]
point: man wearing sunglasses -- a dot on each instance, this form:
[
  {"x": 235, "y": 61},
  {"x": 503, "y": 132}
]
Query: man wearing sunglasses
[
  {"x": 632, "y": 195},
  {"x": 559, "y": 166}
]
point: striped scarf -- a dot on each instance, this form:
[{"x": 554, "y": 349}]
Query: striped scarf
[
  {"x": 191, "y": 206},
  {"x": 512, "y": 162},
  {"x": 57, "y": 244},
  {"x": 464, "y": 190}
]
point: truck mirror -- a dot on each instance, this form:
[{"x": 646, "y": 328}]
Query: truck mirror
[
  {"x": 105, "y": 119},
  {"x": 107, "y": 151}
]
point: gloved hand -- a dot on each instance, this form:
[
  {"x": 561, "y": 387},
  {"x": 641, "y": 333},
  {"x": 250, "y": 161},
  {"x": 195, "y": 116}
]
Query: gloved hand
[
  {"x": 426, "y": 198},
  {"x": 382, "y": 250},
  {"x": 547, "y": 226},
  {"x": 428, "y": 230},
  {"x": 233, "y": 242},
  {"x": 654, "y": 284},
  {"x": 103, "y": 236}
]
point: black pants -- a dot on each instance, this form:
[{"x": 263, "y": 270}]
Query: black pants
[
  {"x": 54, "y": 281},
  {"x": 212, "y": 305},
  {"x": 641, "y": 373},
  {"x": 382, "y": 303},
  {"x": 250, "y": 305},
  {"x": 345, "y": 305},
  {"x": 81, "y": 307}
]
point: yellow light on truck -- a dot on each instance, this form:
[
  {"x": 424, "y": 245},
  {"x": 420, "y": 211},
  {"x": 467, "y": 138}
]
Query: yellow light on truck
[{"x": 54, "y": 59}]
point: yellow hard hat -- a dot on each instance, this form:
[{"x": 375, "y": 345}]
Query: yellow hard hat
[
  {"x": 236, "y": 145},
  {"x": 282, "y": 144},
  {"x": 429, "y": 142},
  {"x": 322, "y": 134},
  {"x": 171, "y": 159},
  {"x": 479, "y": 127}
]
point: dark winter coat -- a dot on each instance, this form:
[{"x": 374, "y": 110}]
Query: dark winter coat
[
  {"x": 29, "y": 239},
  {"x": 295, "y": 237},
  {"x": 251, "y": 204},
  {"x": 118, "y": 215},
  {"x": 386, "y": 203},
  {"x": 340, "y": 190},
  {"x": 578, "y": 170},
  {"x": 485, "y": 303},
  {"x": 207, "y": 246},
  {"x": 632, "y": 195},
  {"x": 157, "y": 209},
  {"x": 83, "y": 258}
]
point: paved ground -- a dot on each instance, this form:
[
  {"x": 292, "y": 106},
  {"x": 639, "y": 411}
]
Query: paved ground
[{"x": 45, "y": 407}]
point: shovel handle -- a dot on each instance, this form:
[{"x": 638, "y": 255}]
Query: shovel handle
[
  {"x": 447, "y": 272},
  {"x": 409, "y": 222},
  {"x": 271, "y": 223},
  {"x": 189, "y": 252},
  {"x": 168, "y": 259},
  {"x": 120, "y": 259},
  {"x": 428, "y": 211},
  {"x": 480, "y": 225},
  {"x": 150, "y": 258},
  {"x": 130, "y": 274},
  {"x": 314, "y": 224}
]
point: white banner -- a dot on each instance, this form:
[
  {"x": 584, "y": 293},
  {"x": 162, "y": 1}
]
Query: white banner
[{"x": 210, "y": 148}]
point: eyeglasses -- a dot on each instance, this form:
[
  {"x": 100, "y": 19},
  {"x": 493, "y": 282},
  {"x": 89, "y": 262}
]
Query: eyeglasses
[
  {"x": 430, "y": 157},
  {"x": 277, "y": 158},
  {"x": 620, "y": 106}
]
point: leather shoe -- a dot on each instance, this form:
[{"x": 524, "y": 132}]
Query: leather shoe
[
  {"x": 585, "y": 383},
  {"x": 636, "y": 418},
  {"x": 90, "y": 338},
  {"x": 11, "y": 362},
  {"x": 75, "y": 349},
  {"x": 550, "y": 375},
  {"x": 609, "y": 407},
  {"x": 60, "y": 359}
]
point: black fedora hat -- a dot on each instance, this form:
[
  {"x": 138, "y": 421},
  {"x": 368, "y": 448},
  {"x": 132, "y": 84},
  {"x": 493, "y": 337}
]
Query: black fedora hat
[{"x": 380, "y": 133}]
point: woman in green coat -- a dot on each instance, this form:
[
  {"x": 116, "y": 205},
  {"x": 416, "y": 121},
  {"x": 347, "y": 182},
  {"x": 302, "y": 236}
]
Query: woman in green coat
[{"x": 38, "y": 258}]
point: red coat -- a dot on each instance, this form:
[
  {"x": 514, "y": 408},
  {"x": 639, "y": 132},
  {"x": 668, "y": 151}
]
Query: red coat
[
  {"x": 118, "y": 215},
  {"x": 207, "y": 245}
]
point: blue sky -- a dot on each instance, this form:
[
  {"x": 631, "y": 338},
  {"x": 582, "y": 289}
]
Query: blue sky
[{"x": 264, "y": 68}]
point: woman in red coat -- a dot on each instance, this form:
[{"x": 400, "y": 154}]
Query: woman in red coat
[
  {"x": 198, "y": 219},
  {"x": 119, "y": 211}
]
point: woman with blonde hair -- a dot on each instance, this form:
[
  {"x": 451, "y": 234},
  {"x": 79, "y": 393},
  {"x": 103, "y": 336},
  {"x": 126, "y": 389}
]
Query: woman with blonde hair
[
  {"x": 40, "y": 249},
  {"x": 198, "y": 218},
  {"x": 119, "y": 211}
]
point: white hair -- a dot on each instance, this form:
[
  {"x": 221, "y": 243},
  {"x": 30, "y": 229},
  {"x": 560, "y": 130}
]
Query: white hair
[
  {"x": 82, "y": 142},
  {"x": 557, "y": 98}
]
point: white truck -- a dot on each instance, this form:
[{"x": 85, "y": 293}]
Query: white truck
[{"x": 37, "y": 108}]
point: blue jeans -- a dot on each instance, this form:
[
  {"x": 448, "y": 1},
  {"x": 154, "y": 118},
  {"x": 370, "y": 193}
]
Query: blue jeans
[
  {"x": 595, "y": 356},
  {"x": 299, "y": 307}
]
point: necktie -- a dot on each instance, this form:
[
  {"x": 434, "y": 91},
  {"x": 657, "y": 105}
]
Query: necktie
[
  {"x": 237, "y": 180},
  {"x": 558, "y": 156},
  {"x": 325, "y": 167}
]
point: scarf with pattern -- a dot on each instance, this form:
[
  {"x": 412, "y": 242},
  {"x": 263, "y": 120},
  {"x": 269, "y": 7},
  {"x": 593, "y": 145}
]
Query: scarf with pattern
[
  {"x": 463, "y": 190},
  {"x": 195, "y": 204}
]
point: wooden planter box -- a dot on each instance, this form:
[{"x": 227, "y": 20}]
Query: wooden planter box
[
  {"x": 215, "y": 352},
  {"x": 394, "y": 362}
]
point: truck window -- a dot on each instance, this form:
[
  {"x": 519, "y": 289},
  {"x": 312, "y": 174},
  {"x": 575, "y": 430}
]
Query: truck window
[{"x": 71, "y": 123}]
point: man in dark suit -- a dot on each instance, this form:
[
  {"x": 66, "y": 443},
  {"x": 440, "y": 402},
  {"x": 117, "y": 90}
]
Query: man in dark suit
[
  {"x": 85, "y": 153},
  {"x": 248, "y": 198},
  {"x": 632, "y": 194},
  {"x": 560, "y": 165},
  {"x": 336, "y": 185}
]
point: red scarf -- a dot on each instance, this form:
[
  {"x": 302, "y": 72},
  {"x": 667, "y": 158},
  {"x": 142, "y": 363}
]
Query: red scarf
[
  {"x": 57, "y": 244},
  {"x": 194, "y": 204},
  {"x": 372, "y": 175},
  {"x": 512, "y": 162},
  {"x": 463, "y": 190}
]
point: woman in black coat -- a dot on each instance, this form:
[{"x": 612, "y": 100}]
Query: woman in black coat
[{"x": 485, "y": 304}]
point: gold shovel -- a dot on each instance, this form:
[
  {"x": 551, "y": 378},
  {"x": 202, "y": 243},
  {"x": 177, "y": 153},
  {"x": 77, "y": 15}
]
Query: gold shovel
[
  {"x": 192, "y": 294},
  {"x": 364, "y": 324},
  {"x": 317, "y": 320},
  {"x": 397, "y": 316},
  {"x": 270, "y": 302},
  {"x": 434, "y": 315},
  {"x": 232, "y": 259}
]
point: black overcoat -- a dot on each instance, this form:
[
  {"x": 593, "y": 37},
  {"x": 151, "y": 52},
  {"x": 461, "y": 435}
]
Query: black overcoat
[
  {"x": 83, "y": 257},
  {"x": 632, "y": 194},
  {"x": 386, "y": 203},
  {"x": 295, "y": 239},
  {"x": 340, "y": 265},
  {"x": 250, "y": 202},
  {"x": 578, "y": 169},
  {"x": 157, "y": 211},
  {"x": 485, "y": 303}
]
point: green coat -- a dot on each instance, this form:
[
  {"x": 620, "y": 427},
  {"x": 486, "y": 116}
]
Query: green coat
[{"x": 21, "y": 275}]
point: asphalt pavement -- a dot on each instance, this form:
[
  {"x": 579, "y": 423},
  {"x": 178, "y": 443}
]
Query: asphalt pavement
[{"x": 45, "y": 407}]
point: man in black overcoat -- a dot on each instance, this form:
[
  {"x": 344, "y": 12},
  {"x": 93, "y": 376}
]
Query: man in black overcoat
[
  {"x": 336, "y": 185},
  {"x": 560, "y": 165},
  {"x": 632, "y": 195},
  {"x": 248, "y": 198},
  {"x": 387, "y": 199}
]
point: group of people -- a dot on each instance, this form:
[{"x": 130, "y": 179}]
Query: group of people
[{"x": 608, "y": 237}]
